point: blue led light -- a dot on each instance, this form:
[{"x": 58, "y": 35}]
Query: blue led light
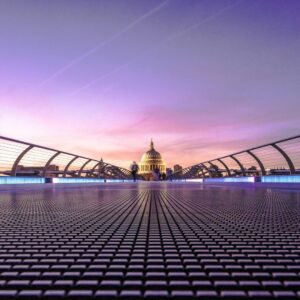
[
  {"x": 263, "y": 179},
  {"x": 20, "y": 180},
  {"x": 230, "y": 179},
  {"x": 281, "y": 179},
  {"x": 195, "y": 180},
  {"x": 114, "y": 180},
  {"x": 28, "y": 180},
  {"x": 131, "y": 180},
  {"x": 76, "y": 180}
]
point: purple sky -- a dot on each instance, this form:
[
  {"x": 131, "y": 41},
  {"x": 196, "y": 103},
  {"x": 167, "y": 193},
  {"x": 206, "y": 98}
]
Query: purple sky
[{"x": 203, "y": 78}]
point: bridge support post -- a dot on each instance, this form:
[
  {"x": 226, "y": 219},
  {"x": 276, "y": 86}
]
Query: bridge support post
[
  {"x": 68, "y": 165},
  {"x": 261, "y": 166},
  {"x": 225, "y": 166},
  {"x": 82, "y": 167},
  {"x": 240, "y": 165},
  {"x": 17, "y": 161},
  {"x": 286, "y": 157},
  {"x": 49, "y": 162}
]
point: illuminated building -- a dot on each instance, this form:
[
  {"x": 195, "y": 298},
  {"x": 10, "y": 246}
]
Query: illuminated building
[{"x": 150, "y": 161}]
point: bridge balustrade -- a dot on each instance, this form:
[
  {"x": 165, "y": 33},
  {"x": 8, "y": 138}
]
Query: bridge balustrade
[
  {"x": 277, "y": 158},
  {"x": 18, "y": 158}
]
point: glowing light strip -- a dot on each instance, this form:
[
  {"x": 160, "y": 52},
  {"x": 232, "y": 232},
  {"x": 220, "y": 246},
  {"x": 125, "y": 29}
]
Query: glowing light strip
[
  {"x": 230, "y": 179},
  {"x": 281, "y": 179},
  {"x": 21, "y": 180},
  {"x": 114, "y": 180},
  {"x": 195, "y": 180},
  {"x": 263, "y": 179},
  {"x": 76, "y": 180}
]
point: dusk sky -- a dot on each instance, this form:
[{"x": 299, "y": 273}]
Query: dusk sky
[{"x": 203, "y": 78}]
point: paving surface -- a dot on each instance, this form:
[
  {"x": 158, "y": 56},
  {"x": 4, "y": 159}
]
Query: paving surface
[{"x": 149, "y": 240}]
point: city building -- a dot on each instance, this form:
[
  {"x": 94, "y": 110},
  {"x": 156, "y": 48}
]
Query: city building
[
  {"x": 177, "y": 168},
  {"x": 150, "y": 161},
  {"x": 52, "y": 170}
]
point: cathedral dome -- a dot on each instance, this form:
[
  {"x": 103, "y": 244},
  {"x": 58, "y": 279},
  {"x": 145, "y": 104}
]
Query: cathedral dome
[
  {"x": 152, "y": 160},
  {"x": 150, "y": 155}
]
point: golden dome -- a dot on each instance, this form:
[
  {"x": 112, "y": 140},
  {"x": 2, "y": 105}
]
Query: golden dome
[
  {"x": 152, "y": 160},
  {"x": 152, "y": 154}
]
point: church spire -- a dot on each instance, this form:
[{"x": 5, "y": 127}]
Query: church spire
[{"x": 151, "y": 145}]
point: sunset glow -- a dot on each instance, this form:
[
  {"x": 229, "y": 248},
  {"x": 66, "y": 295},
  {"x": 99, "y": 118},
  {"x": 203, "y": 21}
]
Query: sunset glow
[{"x": 101, "y": 78}]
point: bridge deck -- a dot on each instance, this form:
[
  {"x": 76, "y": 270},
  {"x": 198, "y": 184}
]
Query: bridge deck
[{"x": 149, "y": 240}]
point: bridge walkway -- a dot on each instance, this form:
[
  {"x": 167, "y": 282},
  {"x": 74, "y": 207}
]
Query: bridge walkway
[{"x": 152, "y": 240}]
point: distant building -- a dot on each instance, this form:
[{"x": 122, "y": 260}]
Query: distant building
[
  {"x": 150, "y": 161},
  {"x": 177, "y": 168},
  {"x": 36, "y": 170}
]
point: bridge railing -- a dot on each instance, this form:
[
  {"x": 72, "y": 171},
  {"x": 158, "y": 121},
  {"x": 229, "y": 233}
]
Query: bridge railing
[
  {"x": 18, "y": 158},
  {"x": 277, "y": 158}
]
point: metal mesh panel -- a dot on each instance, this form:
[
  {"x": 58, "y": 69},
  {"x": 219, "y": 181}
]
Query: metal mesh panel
[
  {"x": 9, "y": 152},
  {"x": 247, "y": 161},
  {"x": 231, "y": 164},
  {"x": 271, "y": 158},
  {"x": 62, "y": 160},
  {"x": 185, "y": 171},
  {"x": 292, "y": 149},
  {"x": 90, "y": 165},
  {"x": 19, "y": 158},
  {"x": 36, "y": 157},
  {"x": 77, "y": 164}
]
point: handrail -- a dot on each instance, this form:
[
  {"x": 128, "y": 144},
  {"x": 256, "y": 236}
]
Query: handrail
[
  {"x": 290, "y": 157},
  {"x": 23, "y": 158}
]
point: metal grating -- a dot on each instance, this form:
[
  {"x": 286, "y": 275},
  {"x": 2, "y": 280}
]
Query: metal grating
[{"x": 146, "y": 241}]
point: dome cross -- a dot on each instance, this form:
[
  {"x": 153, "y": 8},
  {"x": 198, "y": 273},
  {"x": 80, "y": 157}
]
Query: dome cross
[{"x": 151, "y": 145}]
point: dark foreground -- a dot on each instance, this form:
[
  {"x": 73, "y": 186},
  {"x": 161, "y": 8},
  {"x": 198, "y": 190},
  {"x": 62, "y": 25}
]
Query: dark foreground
[{"x": 149, "y": 240}]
